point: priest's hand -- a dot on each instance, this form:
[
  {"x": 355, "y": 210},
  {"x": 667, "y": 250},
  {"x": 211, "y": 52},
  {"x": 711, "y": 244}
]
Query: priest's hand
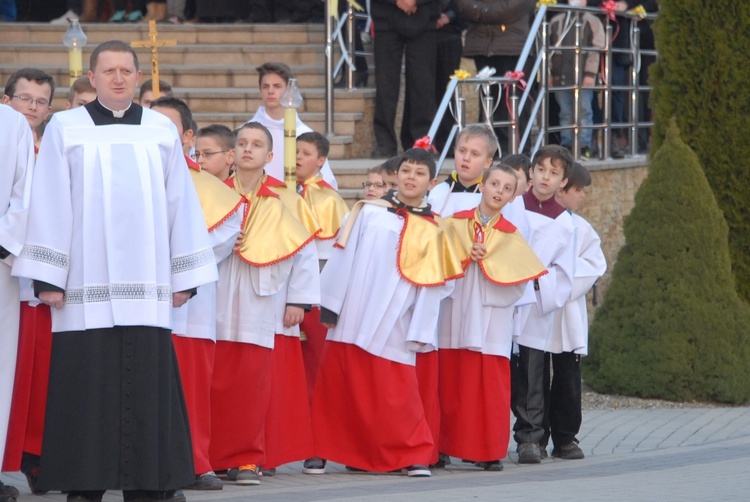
[
  {"x": 52, "y": 298},
  {"x": 478, "y": 250},
  {"x": 238, "y": 244},
  {"x": 293, "y": 316},
  {"x": 180, "y": 299}
]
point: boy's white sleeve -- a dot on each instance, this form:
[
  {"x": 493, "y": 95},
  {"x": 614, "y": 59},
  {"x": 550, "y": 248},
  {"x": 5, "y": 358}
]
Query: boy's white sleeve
[
  {"x": 424, "y": 321},
  {"x": 304, "y": 281},
  {"x": 590, "y": 261},
  {"x": 224, "y": 236},
  {"x": 555, "y": 286},
  {"x": 337, "y": 273}
]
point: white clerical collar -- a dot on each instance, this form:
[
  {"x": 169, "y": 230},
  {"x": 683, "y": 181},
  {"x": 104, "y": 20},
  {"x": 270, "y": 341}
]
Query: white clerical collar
[{"x": 118, "y": 114}]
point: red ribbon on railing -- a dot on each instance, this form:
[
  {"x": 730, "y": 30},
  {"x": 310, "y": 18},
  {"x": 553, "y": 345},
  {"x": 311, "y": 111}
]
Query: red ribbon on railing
[
  {"x": 609, "y": 7},
  {"x": 425, "y": 143},
  {"x": 515, "y": 75}
]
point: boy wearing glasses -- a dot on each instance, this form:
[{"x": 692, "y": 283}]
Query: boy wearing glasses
[
  {"x": 214, "y": 150},
  {"x": 194, "y": 324},
  {"x": 375, "y": 186},
  {"x": 29, "y": 91}
]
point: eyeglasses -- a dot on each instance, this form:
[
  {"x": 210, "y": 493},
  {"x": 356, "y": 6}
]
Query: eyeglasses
[
  {"x": 207, "y": 155},
  {"x": 370, "y": 184},
  {"x": 27, "y": 100}
]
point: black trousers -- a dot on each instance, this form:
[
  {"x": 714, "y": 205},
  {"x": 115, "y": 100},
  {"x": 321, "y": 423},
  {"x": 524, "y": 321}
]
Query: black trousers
[
  {"x": 545, "y": 404},
  {"x": 420, "y": 54}
]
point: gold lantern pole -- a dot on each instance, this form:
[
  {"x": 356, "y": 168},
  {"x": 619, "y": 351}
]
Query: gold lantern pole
[{"x": 291, "y": 99}]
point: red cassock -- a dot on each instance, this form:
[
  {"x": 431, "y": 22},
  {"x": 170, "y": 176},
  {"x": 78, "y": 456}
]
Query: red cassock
[
  {"x": 312, "y": 348},
  {"x": 26, "y": 425},
  {"x": 475, "y": 404},
  {"x": 289, "y": 435},
  {"x": 196, "y": 359},
  {"x": 240, "y": 393},
  {"x": 381, "y": 429},
  {"x": 427, "y": 377}
]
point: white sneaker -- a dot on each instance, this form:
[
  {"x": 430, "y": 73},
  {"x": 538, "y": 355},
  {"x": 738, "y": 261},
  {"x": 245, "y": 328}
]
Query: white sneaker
[{"x": 70, "y": 15}]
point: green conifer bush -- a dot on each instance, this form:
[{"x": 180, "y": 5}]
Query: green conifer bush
[
  {"x": 672, "y": 325},
  {"x": 702, "y": 78}
]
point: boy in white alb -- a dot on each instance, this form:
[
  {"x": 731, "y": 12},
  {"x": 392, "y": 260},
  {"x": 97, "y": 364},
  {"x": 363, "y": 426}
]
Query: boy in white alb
[
  {"x": 476, "y": 325},
  {"x": 273, "y": 78},
  {"x": 568, "y": 341},
  {"x": 381, "y": 291},
  {"x": 248, "y": 317},
  {"x": 549, "y": 230},
  {"x": 475, "y": 148}
]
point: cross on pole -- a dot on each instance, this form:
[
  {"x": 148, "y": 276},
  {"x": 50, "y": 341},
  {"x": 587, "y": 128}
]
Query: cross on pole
[{"x": 153, "y": 45}]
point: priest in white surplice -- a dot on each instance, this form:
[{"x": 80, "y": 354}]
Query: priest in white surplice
[
  {"x": 115, "y": 238},
  {"x": 17, "y": 145}
]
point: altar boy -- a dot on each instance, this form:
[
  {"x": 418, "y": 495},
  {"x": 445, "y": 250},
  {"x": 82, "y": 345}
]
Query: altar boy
[
  {"x": 367, "y": 409},
  {"x": 476, "y": 325}
]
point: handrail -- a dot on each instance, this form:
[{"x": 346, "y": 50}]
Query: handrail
[{"x": 454, "y": 101}]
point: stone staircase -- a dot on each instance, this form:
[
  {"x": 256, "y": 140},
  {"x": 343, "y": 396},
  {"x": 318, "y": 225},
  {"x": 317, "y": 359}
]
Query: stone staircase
[{"x": 212, "y": 68}]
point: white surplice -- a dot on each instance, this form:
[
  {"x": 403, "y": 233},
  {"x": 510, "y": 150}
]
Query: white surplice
[
  {"x": 275, "y": 168},
  {"x": 114, "y": 221},
  {"x": 552, "y": 241},
  {"x": 302, "y": 288},
  {"x": 478, "y": 315},
  {"x": 446, "y": 203},
  {"x": 570, "y": 329},
  {"x": 197, "y": 317},
  {"x": 378, "y": 310},
  {"x": 17, "y": 145}
]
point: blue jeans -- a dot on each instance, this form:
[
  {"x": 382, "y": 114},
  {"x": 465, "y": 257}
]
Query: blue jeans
[
  {"x": 8, "y": 10},
  {"x": 567, "y": 103}
]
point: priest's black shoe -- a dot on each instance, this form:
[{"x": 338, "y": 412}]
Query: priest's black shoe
[
  {"x": 85, "y": 496},
  {"x": 207, "y": 481}
]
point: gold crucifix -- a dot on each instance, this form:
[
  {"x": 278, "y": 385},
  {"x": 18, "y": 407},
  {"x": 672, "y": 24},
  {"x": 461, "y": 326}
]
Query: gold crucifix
[{"x": 153, "y": 45}]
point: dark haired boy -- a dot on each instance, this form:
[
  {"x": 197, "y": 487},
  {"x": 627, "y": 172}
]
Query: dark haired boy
[
  {"x": 194, "y": 324},
  {"x": 367, "y": 408},
  {"x": 214, "y": 150},
  {"x": 146, "y": 93},
  {"x": 568, "y": 341},
  {"x": 521, "y": 165},
  {"x": 549, "y": 230},
  {"x": 273, "y": 78},
  {"x": 29, "y": 91}
]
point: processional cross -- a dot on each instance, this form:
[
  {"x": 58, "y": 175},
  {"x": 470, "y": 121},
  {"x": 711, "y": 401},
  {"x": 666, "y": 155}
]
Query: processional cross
[{"x": 153, "y": 44}]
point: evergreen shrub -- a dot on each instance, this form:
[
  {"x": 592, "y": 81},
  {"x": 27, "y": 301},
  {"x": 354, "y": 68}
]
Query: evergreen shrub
[
  {"x": 702, "y": 78},
  {"x": 672, "y": 325}
]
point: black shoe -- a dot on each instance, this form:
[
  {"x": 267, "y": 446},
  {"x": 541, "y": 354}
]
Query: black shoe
[
  {"x": 543, "y": 451},
  {"x": 569, "y": 451},
  {"x": 268, "y": 472},
  {"x": 232, "y": 474},
  {"x": 30, "y": 468},
  {"x": 384, "y": 152},
  {"x": 8, "y": 491},
  {"x": 529, "y": 453},
  {"x": 492, "y": 466},
  {"x": 586, "y": 153},
  {"x": 207, "y": 481},
  {"x": 416, "y": 471},
  {"x": 353, "y": 469},
  {"x": 315, "y": 465},
  {"x": 85, "y": 496},
  {"x": 443, "y": 460}
]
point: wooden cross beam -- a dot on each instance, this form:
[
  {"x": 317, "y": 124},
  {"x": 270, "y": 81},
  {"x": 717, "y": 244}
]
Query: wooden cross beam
[{"x": 153, "y": 44}]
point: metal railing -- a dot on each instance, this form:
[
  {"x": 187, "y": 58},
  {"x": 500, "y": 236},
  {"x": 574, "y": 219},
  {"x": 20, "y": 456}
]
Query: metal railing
[{"x": 535, "y": 132}]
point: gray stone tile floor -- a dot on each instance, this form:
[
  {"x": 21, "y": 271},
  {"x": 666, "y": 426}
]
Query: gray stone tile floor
[{"x": 687, "y": 454}]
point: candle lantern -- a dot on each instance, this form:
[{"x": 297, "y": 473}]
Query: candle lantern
[
  {"x": 74, "y": 40},
  {"x": 291, "y": 99}
]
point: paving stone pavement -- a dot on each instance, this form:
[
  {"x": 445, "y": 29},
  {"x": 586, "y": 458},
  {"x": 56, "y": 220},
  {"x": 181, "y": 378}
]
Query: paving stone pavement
[{"x": 692, "y": 454}]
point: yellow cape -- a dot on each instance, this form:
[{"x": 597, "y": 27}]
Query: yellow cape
[
  {"x": 326, "y": 204},
  {"x": 426, "y": 256},
  {"x": 509, "y": 259},
  {"x": 217, "y": 200},
  {"x": 272, "y": 233}
]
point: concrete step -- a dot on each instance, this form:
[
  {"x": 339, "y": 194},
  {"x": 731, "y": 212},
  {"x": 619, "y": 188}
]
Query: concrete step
[
  {"x": 39, "y": 33},
  {"x": 212, "y": 76},
  {"x": 218, "y": 54}
]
